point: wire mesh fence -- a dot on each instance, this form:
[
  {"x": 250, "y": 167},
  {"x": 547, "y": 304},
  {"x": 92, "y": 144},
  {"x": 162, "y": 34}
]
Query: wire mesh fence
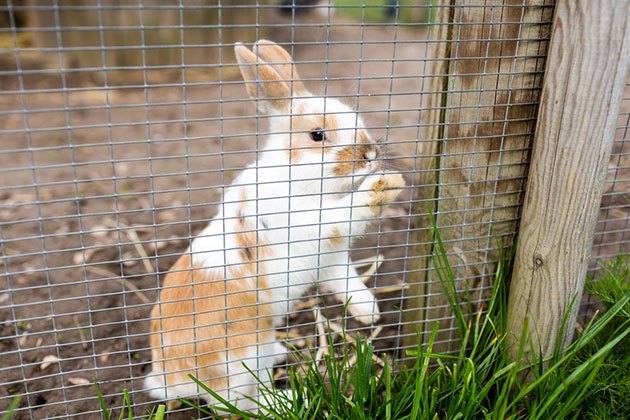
[
  {"x": 611, "y": 238},
  {"x": 126, "y": 130},
  {"x": 611, "y": 230}
]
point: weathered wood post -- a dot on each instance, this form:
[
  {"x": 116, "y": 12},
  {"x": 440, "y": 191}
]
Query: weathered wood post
[
  {"x": 587, "y": 65},
  {"x": 488, "y": 63}
]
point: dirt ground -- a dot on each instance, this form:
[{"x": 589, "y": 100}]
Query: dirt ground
[
  {"x": 97, "y": 195},
  {"x": 102, "y": 189}
]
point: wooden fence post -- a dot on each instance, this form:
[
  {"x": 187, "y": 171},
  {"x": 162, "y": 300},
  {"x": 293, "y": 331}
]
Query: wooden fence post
[
  {"x": 587, "y": 66},
  {"x": 486, "y": 79}
]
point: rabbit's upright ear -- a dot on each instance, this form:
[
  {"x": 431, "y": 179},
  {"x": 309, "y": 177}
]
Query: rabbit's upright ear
[
  {"x": 265, "y": 85},
  {"x": 278, "y": 58}
]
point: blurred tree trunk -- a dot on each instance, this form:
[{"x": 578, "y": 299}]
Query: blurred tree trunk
[{"x": 151, "y": 35}]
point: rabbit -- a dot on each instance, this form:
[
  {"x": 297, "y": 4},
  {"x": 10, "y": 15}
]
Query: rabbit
[{"x": 285, "y": 224}]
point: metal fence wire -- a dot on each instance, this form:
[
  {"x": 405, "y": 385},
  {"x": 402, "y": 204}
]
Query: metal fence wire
[
  {"x": 125, "y": 131},
  {"x": 611, "y": 236}
]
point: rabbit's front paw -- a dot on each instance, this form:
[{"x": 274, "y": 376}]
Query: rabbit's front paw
[
  {"x": 366, "y": 312},
  {"x": 384, "y": 188}
]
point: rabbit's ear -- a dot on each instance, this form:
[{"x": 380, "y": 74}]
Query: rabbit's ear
[
  {"x": 278, "y": 58},
  {"x": 264, "y": 84}
]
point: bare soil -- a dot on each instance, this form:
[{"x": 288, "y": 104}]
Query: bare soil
[{"x": 81, "y": 186}]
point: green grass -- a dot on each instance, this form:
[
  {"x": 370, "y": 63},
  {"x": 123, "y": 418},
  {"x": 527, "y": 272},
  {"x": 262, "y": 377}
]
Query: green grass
[
  {"x": 156, "y": 413},
  {"x": 478, "y": 382},
  {"x": 609, "y": 394},
  {"x": 378, "y": 10},
  {"x": 15, "y": 402},
  {"x": 614, "y": 284},
  {"x": 589, "y": 379}
]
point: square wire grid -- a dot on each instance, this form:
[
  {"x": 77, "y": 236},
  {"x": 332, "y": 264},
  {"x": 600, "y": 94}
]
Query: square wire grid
[
  {"x": 123, "y": 124},
  {"x": 612, "y": 229}
]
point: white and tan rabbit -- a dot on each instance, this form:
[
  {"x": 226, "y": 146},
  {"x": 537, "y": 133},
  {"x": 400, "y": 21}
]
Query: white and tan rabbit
[{"x": 284, "y": 225}]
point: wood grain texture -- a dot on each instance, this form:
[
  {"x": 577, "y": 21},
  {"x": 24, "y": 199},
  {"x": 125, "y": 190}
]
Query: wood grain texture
[
  {"x": 586, "y": 71},
  {"x": 487, "y": 90}
]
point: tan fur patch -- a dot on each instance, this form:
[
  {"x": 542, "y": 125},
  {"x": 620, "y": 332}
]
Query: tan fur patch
[
  {"x": 304, "y": 120},
  {"x": 247, "y": 240},
  {"x": 294, "y": 153},
  {"x": 252, "y": 249},
  {"x": 330, "y": 123},
  {"x": 276, "y": 91},
  {"x": 281, "y": 61},
  {"x": 200, "y": 315},
  {"x": 350, "y": 159},
  {"x": 262, "y": 81},
  {"x": 336, "y": 239}
]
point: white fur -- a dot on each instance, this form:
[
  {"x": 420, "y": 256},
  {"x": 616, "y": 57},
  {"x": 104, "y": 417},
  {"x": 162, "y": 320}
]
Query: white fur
[
  {"x": 296, "y": 207},
  {"x": 286, "y": 204}
]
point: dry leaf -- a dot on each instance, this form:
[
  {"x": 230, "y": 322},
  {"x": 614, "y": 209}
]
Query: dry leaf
[
  {"x": 393, "y": 212},
  {"x": 291, "y": 334},
  {"x": 130, "y": 259},
  {"x": 368, "y": 261},
  {"x": 105, "y": 356},
  {"x": 390, "y": 289},
  {"x": 173, "y": 405},
  {"x": 49, "y": 360},
  {"x": 78, "y": 258},
  {"x": 376, "y": 332},
  {"x": 304, "y": 305},
  {"x": 100, "y": 231},
  {"x": 160, "y": 245},
  {"x": 78, "y": 381}
]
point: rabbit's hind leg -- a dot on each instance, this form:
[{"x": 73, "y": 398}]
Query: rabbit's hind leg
[{"x": 249, "y": 373}]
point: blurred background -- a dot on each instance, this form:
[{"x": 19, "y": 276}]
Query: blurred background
[{"x": 121, "y": 123}]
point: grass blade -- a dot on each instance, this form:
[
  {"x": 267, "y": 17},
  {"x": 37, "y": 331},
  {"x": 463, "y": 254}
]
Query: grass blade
[
  {"x": 106, "y": 413},
  {"x": 12, "y": 407},
  {"x": 159, "y": 414}
]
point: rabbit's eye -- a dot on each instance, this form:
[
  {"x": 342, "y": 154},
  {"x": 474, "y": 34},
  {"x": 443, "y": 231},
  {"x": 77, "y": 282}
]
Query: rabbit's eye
[{"x": 318, "y": 135}]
